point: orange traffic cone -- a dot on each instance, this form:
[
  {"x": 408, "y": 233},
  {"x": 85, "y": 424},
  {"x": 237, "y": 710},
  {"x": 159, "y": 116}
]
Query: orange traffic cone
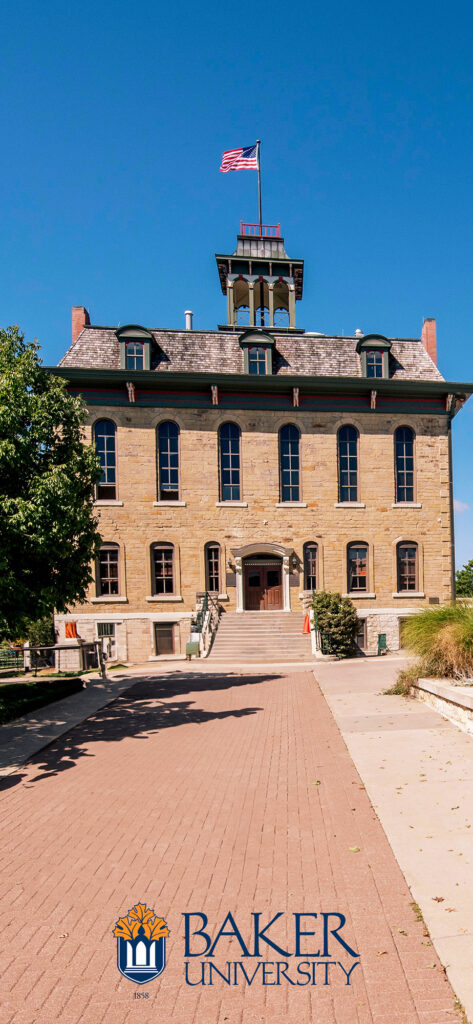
[{"x": 306, "y": 626}]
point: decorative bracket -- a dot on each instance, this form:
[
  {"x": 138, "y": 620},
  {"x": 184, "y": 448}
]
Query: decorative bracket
[
  {"x": 131, "y": 391},
  {"x": 214, "y": 391},
  {"x": 295, "y": 398},
  {"x": 373, "y": 397}
]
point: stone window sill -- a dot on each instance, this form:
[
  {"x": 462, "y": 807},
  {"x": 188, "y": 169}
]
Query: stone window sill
[
  {"x": 349, "y": 504},
  {"x": 409, "y": 593},
  {"x": 104, "y": 502},
  {"x": 169, "y": 504},
  {"x": 223, "y": 597},
  {"x": 231, "y": 504},
  {"x": 165, "y": 597},
  {"x": 108, "y": 599},
  {"x": 406, "y": 504},
  {"x": 354, "y": 594},
  {"x": 291, "y": 504}
]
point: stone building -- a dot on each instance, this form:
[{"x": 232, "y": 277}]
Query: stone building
[{"x": 260, "y": 462}]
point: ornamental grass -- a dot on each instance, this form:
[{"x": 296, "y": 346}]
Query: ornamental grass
[{"x": 442, "y": 639}]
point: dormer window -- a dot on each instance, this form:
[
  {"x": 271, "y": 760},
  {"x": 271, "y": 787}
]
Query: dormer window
[
  {"x": 374, "y": 352},
  {"x": 374, "y": 363},
  {"x": 256, "y": 359},
  {"x": 257, "y": 349},
  {"x": 135, "y": 355},
  {"x": 135, "y": 347}
]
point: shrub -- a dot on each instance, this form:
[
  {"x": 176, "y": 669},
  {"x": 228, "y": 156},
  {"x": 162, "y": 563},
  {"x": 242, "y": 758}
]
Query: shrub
[
  {"x": 337, "y": 622},
  {"x": 407, "y": 677},
  {"x": 442, "y": 639}
]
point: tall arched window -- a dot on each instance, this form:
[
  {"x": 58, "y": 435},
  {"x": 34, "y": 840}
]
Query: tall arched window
[
  {"x": 310, "y": 566},
  {"x": 107, "y": 570},
  {"x": 168, "y": 461},
  {"x": 289, "y": 471},
  {"x": 404, "y": 463},
  {"x": 162, "y": 568},
  {"x": 357, "y": 568},
  {"x": 229, "y": 452},
  {"x": 348, "y": 464},
  {"x": 105, "y": 444},
  {"x": 407, "y": 567},
  {"x": 212, "y": 567}
]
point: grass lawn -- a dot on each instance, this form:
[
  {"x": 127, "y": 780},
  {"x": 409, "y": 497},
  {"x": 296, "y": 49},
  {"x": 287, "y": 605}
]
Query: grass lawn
[{"x": 18, "y": 698}]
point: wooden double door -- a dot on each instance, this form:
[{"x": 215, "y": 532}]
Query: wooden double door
[{"x": 263, "y": 585}]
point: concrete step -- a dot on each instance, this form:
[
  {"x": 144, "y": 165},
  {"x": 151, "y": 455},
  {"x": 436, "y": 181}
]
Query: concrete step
[{"x": 261, "y": 636}]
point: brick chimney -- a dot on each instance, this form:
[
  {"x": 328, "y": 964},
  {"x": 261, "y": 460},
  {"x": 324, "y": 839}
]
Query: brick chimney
[
  {"x": 429, "y": 337},
  {"x": 80, "y": 319}
]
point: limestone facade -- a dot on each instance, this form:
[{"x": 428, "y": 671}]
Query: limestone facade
[{"x": 135, "y": 520}]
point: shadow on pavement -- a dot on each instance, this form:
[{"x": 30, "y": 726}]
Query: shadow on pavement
[{"x": 147, "y": 707}]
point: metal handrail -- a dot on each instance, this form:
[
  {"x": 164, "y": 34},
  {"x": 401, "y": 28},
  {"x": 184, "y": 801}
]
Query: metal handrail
[{"x": 260, "y": 230}]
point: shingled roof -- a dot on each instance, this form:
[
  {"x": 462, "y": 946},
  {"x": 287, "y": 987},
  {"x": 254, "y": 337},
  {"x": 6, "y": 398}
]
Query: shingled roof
[{"x": 312, "y": 355}]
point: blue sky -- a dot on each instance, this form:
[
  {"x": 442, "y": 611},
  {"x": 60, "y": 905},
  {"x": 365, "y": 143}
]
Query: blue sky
[{"x": 113, "y": 120}]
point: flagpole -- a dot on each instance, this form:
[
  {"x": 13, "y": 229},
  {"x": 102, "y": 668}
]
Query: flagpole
[{"x": 258, "y": 143}]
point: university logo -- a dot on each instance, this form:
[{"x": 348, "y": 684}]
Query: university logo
[{"x": 141, "y": 944}]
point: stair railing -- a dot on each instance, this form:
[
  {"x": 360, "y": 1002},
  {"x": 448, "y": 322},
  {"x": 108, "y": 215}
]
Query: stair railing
[{"x": 211, "y": 618}]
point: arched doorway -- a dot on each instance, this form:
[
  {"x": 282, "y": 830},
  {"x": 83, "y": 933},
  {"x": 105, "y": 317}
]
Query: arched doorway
[{"x": 262, "y": 583}]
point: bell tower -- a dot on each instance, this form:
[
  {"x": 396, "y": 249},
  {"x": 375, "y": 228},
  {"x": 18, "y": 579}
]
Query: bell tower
[{"x": 261, "y": 282}]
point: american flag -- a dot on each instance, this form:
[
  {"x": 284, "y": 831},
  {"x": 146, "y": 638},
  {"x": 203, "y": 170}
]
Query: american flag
[{"x": 240, "y": 159}]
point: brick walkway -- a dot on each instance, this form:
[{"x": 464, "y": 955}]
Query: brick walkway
[{"x": 195, "y": 793}]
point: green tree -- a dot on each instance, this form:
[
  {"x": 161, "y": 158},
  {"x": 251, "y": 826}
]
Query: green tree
[
  {"x": 337, "y": 622},
  {"x": 464, "y": 580},
  {"x": 48, "y": 533}
]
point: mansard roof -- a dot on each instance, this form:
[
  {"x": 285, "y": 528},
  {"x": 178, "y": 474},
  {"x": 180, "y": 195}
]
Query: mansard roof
[{"x": 312, "y": 355}]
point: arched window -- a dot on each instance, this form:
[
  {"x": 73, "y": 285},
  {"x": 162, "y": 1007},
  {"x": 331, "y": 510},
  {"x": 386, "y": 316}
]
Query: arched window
[
  {"x": 243, "y": 316},
  {"x": 212, "y": 567},
  {"x": 105, "y": 444},
  {"x": 310, "y": 566},
  {"x": 229, "y": 445},
  {"x": 168, "y": 461},
  {"x": 107, "y": 570},
  {"x": 374, "y": 363},
  {"x": 357, "y": 568},
  {"x": 404, "y": 463},
  {"x": 135, "y": 355},
  {"x": 289, "y": 437},
  {"x": 407, "y": 567},
  {"x": 256, "y": 359},
  {"x": 348, "y": 464},
  {"x": 281, "y": 317},
  {"x": 262, "y": 316},
  {"x": 162, "y": 568}
]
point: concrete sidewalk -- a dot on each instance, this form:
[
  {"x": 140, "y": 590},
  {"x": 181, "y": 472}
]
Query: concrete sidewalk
[{"x": 418, "y": 770}]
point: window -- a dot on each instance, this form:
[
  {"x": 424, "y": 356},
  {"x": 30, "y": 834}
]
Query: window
[
  {"x": 168, "y": 461},
  {"x": 348, "y": 463},
  {"x": 106, "y": 631},
  {"x": 162, "y": 568},
  {"x": 406, "y": 567},
  {"x": 404, "y": 463},
  {"x": 256, "y": 359},
  {"x": 310, "y": 566},
  {"x": 262, "y": 316},
  {"x": 212, "y": 567},
  {"x": 281, "y": 317},
  {"x": 135, "y": 355},
  {"x": 289, "y": 462},
  {"x": 243, "y": 316},
  {"x": 357, "y": 563},
  {"x": 229, "y": 437},
  {"x": 107, "y": 570},
  {"x": 105, "y": 444},
  {"x": 374, "y": 363}
]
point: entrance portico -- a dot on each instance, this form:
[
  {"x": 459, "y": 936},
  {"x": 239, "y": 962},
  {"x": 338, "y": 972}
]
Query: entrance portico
[{"x": 262, "y": 577}]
